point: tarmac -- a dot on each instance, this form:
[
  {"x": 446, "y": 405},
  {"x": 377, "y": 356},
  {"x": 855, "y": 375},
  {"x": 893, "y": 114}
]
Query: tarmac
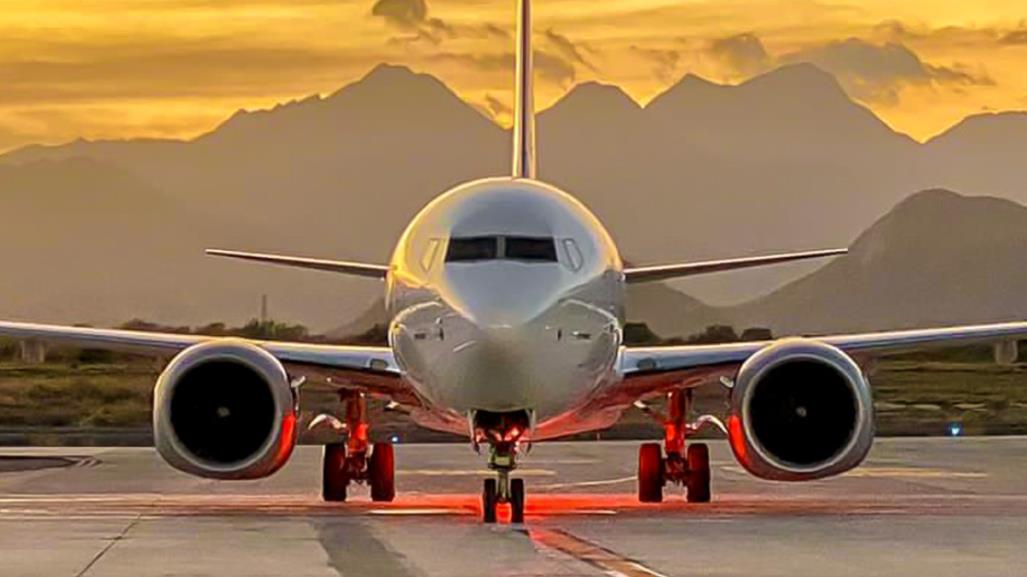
[{"x": 917, "y": 507}]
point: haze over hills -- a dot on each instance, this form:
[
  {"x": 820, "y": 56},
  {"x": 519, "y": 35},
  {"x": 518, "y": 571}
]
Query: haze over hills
[
  {"x": 938, "y": 258},
  {"x": 784, "y": 161}
]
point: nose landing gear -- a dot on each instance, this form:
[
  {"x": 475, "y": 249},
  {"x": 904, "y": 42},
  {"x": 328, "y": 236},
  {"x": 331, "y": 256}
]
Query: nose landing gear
[
  {"x": 502, "y": 489},
  {"x": 356, "y": 459},
  {"x": 675, "y": 464},
  {"x": 503, "y": 433}
]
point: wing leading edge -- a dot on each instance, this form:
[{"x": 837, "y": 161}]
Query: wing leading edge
[
  {"x": 337, "y": 266},
  {"x": 669, "y": 271},
  {"x": 652, "y": 370},
  {"x": 370, "y": 369}
]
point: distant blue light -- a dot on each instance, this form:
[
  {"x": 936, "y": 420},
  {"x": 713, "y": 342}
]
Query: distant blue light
[
  {"x": 955, "y": 430},
  {"x": 395, "y": 438}
]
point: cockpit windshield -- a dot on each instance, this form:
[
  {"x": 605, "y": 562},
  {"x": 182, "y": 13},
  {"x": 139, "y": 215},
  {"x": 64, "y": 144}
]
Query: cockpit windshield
[
  {"x": 472, "y": 248},
  {"x": 522, "y": 248},
  {"x": 525, "y": 248}
]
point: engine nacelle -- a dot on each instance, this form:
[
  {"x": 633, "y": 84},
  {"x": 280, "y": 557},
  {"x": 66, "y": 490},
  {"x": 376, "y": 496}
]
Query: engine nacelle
[
  {"x": 800, "y": 410},
  {"x": 224, "y": 410}
]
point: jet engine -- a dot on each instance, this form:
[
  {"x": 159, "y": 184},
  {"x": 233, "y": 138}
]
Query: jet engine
[
  {"x": 800, "y": 410},
  {"x": 224, "y": 409}
]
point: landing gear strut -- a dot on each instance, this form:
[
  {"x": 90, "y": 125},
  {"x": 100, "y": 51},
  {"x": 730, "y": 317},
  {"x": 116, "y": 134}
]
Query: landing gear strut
[
  {"x": 675, "y": 464},
  {"x": 356, "y": 459},
  {"x": 502, "y": 489},
  {"x": 502, "y": 432}
]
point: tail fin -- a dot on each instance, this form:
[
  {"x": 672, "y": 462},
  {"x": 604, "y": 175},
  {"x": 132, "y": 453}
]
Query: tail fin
[{"x": 524, "y": 106}]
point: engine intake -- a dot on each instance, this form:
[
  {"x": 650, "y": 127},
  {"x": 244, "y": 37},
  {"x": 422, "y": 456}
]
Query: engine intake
[
  {"x": 224, "y": 409},
  {"x": 800, "y": 410}
]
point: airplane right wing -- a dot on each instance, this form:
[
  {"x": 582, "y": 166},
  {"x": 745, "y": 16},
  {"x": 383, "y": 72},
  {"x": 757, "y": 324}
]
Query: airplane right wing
[
  {"x": 649, "y": 371},
  {"x": 669, "y": 271}
]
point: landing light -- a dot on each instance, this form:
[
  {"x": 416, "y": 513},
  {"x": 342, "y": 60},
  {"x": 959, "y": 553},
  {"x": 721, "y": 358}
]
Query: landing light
[
  {"x": 394, "y": 439},
  {"x": 955, "y": 430}
]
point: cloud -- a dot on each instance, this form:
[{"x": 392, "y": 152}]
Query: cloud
[
  {"x": 553, "y": 67},
  {"x": 413, "y": 16},
  {"x": 665, "y": 62},
  {"x": 744, "y": 53},
  {"x": 1015, "y": 38},
  {"x": 876, "y": 73},
  {"x": 402, "y": 13},
  {"x": 549, "y": 66},
  {"x": 132, "y": 69},
  {"x": 568, "y": 49},
  {"x": 949, "y": 37},
  {"x": 497, "y": 107}
]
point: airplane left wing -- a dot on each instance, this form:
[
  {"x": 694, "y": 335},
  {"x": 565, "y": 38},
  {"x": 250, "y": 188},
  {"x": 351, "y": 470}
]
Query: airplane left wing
[
  {"x": 648, "y": 371},
  {"x": 337, "y": 266},
  {"x": 369, "y": 369}
]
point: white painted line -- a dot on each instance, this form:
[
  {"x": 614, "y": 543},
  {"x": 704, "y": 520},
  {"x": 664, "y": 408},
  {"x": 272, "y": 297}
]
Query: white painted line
[
  {"x": 414, "y": 512},
  {"x": 598, "y": 483},
  {"x": 473, "y": 472}
]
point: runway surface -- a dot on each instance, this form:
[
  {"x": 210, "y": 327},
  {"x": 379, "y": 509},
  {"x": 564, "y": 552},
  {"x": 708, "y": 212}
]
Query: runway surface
[{"x": 922, "y": 507}]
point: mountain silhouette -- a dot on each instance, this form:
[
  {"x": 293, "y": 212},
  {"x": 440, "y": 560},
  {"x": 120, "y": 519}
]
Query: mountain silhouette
[
  {"x": 937, "y": 259},
  {"x": 784, "y": 161}
]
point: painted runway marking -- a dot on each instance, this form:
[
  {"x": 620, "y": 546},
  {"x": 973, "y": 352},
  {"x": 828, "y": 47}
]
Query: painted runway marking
[
  {"x": 893, "y": 473},
  {"x": 565, "y": 461},
  {"x": 599, "y": 483},
  {"x": 414, "y": 512},
  {"x": 539, "y": 505},
  {"x": 473, "y": 472},
  {"x": 609, "y": 562},
  {"x": 913, "y": 473}
]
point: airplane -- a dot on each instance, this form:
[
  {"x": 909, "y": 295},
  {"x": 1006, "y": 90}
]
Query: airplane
[{"x": 507, "y": 303}]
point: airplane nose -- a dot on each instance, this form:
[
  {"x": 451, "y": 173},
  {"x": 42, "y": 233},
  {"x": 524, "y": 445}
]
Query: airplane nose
[{"x": 495, "y": 299}]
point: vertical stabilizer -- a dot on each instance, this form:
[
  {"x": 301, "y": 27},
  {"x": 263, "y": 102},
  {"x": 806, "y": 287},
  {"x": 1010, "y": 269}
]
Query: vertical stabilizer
[{"x": 524, "y": 105}]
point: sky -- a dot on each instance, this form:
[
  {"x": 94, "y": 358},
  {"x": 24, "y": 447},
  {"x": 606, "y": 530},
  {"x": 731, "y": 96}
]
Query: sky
[{"x": 177, "y": 68}]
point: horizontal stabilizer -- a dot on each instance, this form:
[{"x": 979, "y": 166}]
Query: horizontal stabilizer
[
  {"x": 337, "y": 266},
  {"x": 664, "y": 272}
]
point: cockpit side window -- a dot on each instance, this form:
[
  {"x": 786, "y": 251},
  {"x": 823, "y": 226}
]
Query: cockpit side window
[
  {"x": 574, "y": 258},
  {"x": 430, "y": 252},
  {"x": 472, "y": 248},
  {"x": 539, "y": 249}
]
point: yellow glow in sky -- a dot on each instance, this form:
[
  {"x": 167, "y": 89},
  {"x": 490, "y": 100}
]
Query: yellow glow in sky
[{"x": 176, "y": 68}]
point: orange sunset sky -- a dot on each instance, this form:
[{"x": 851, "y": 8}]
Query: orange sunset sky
[{"x": 176, "y": 68}]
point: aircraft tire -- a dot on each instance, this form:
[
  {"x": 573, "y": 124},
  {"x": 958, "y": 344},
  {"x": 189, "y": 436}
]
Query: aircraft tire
[
  {"x": 334, "y": 479},
  {"x": 489, "y": 500},
  {"x": 517, "y": 500},
  {"x": 650, "y": 473},
  {"x": 381, "y": 472},
  {"x": 698, "y": 483}
]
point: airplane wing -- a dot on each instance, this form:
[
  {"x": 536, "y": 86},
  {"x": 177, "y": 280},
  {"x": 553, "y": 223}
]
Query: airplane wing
[
  {"x": 369, "y": 369},
  {"x": 649, "y": 371},
  {"x": 337, "y": 266},
  {"x": 668, "y": 271}
]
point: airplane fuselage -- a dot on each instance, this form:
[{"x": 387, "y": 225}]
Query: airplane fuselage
[{"x": 507, "y": 294}]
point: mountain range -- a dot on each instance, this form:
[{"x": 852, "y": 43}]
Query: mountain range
[{"x": 102, "y": 231}]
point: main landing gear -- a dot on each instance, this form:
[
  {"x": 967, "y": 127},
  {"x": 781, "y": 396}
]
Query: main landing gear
[
  {"x": 674, "y": 464},
  {"x": 502, "y": 431},
  {"x": 356, "y": 460}
]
